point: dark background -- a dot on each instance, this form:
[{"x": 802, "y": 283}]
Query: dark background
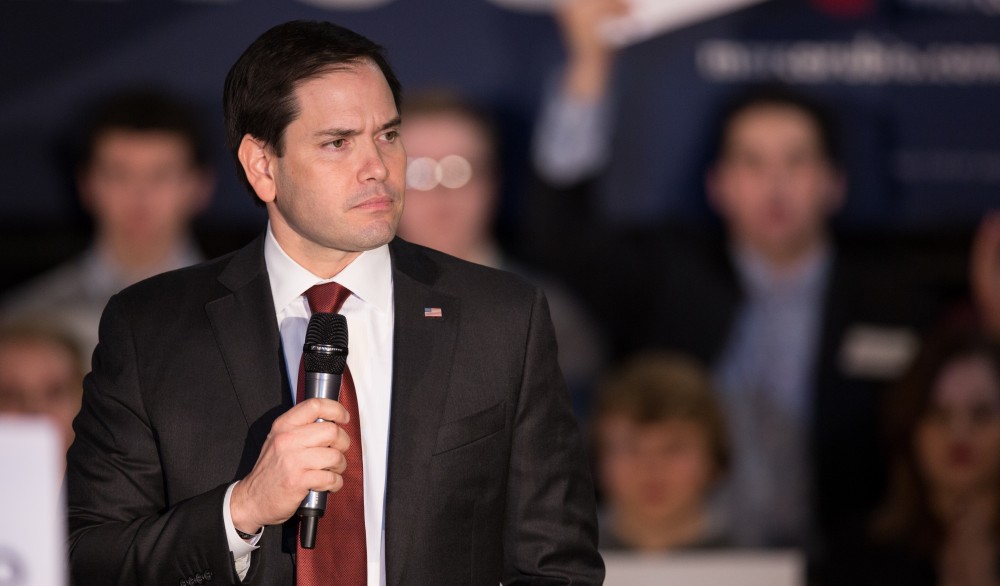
[{"x": 916, "y": 84}]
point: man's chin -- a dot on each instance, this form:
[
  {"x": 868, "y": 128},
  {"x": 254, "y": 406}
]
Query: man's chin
[{"x": 373, "y": 235}]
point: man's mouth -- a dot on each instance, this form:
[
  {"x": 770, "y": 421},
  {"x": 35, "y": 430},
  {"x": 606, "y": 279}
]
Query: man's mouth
[{"x": 376, "y": 203}]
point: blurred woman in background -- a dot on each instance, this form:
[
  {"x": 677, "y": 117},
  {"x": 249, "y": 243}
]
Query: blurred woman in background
[{"x": 939, "y": 524}]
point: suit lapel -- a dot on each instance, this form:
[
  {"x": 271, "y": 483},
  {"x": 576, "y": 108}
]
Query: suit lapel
[
  {"x": 829, "y": 401},
  {"x": 246, "y": 330},
  {"x": 422, "y": 356}
]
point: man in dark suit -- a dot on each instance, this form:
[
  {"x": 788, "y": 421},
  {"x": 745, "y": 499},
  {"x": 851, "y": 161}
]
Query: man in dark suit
[
  {"x": 802, "y": 333},
  {"x": 452, "y": 443}
]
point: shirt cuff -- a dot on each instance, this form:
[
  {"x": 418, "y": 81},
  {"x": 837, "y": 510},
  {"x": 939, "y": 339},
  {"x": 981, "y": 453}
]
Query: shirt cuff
[
  {"x": 237, "y": 545},
  {"x": 572, "y": 138}
]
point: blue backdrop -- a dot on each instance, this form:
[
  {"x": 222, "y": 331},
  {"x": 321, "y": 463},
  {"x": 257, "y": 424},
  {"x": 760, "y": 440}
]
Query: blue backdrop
[{"x": 917, "y": 84}]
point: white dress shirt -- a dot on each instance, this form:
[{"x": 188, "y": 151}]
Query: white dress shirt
[
  {"x": 369, "y": 314},
  {"x": 766, "y": 379}
]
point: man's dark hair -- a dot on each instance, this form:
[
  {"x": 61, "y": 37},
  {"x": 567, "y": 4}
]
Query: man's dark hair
[
  {"x": 143, "y": 110},
  {"x": 259, "y": 95},
  {"x": 782, "y": 97}
]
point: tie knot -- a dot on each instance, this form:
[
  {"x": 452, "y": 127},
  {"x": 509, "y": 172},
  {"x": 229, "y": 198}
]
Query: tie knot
[{"x": 327, "y": 297}]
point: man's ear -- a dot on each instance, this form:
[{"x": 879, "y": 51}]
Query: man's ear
[
  {"x": 256, "y": 158},
  {"x": 838, "y": 191},
  {"x": 713, "y": 189},
  {"x": 84, "y": 186}
]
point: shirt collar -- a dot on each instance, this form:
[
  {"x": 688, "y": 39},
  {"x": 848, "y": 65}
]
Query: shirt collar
[
  {"x": 368, "y": 277},
  {"x": 104, "y": 276},
  {"x": 760, "y": 278}
]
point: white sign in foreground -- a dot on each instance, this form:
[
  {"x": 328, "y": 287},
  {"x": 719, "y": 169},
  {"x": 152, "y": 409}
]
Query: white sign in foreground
[
  {"x": 32, "y": 513},
  {"x": 743, "y": 568}
]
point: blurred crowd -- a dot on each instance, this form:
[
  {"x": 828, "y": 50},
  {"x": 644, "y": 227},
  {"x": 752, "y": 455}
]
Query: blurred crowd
[{"x": 758, "y": 386}]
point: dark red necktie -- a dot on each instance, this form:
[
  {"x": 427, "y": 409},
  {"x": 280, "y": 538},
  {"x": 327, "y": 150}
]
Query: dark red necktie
[{"x": 340, "y": 557}]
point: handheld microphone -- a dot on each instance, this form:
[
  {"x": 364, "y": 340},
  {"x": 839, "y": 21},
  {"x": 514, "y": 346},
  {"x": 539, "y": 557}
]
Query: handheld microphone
[{"x": 324, "y": 357}]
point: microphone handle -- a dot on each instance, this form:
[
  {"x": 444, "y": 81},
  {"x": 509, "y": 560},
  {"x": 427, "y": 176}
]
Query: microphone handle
[{"x": 322, "y": 385}]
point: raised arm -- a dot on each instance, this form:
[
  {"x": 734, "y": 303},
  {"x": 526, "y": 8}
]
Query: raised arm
[{"x": 573, "y": 134}]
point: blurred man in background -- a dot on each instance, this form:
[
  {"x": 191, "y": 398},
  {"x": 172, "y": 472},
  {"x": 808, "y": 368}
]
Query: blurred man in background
[
  {"x": 453, "y": 187},
  {"x": 143, "y": 174},
  {"x": 661, "y": 449},
  {"x": 800, "y": 334},
  {"x": 41, "y": 374}
]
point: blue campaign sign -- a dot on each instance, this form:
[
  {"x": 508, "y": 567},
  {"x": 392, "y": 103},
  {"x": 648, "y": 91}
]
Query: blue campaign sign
[
  {"x": 915, "y": 88},
  {"x": 916, "y": 83}
]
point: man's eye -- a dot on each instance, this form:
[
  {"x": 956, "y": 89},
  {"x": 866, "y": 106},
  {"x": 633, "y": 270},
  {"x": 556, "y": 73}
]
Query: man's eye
[
  {"x": 392, "y": 135},
  {"x": 339, "y": 143}
]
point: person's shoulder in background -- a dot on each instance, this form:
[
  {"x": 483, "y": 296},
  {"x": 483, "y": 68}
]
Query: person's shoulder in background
[
  {"x": 60, "y": 295},
  {"x": 880, "y": 307},
  {"x": 460, "y": 278},
  {"x": 64, "y": 283}
]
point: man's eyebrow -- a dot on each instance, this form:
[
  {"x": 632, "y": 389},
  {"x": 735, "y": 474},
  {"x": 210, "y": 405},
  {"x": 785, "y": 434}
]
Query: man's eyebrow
[
  {"x": 337, "y": 132},
  {"x": 348, "y": 132},
  {"x": 390, "y": 124}
]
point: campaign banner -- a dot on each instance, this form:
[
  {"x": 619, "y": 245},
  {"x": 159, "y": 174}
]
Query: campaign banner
[{"x": 915, "y": 83}]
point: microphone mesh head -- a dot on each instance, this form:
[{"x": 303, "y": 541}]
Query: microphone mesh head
[{"x": 325, "y": 349}]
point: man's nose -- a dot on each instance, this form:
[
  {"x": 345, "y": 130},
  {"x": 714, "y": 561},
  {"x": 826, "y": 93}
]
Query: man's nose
[{"x": 373, "y": 167}]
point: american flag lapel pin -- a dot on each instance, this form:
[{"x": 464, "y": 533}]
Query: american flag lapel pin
[{"x": 432, "y": 312}]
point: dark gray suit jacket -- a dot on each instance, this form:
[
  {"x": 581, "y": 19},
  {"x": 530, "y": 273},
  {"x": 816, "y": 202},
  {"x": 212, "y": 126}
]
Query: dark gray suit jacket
[{"x": 486, "y": 478}]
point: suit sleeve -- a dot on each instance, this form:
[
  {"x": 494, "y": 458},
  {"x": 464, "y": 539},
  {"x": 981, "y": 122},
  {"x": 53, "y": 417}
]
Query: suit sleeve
[
  {"x": 550, "y": 534},
  {"x": 123, "y": 529}
]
